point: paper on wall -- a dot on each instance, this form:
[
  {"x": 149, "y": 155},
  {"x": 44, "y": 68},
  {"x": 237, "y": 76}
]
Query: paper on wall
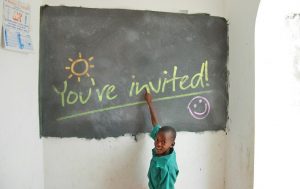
[{"x": 16, "y": 26}]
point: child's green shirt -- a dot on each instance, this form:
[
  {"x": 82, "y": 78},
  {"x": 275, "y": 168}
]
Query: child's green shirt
[{"x": 163, "y": 170}]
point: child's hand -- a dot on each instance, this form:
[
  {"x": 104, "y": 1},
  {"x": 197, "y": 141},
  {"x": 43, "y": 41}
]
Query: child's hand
[{"x": 148, "y": 97}]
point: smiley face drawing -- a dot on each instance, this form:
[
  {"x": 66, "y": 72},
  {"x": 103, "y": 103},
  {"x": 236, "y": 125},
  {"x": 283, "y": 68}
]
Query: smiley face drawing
[{"x": 199, "y": 107}]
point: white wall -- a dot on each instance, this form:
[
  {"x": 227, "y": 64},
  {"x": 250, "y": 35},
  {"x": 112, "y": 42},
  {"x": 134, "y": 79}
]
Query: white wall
[
  {"x": 21, "y": 154},
  {"x": 110, "y": 163},
  {"x": 121, "y": 162},
  {"x": 213, "y": 7},
  {"x": 240, "y": 141},
  {"x": 277, "y": 94}
]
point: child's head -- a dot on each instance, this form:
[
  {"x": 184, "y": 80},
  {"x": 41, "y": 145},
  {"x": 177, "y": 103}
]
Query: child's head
[{"x": 165, "y": 140}]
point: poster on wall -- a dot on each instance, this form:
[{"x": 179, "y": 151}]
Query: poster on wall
[{"x": 16, "y": 26}]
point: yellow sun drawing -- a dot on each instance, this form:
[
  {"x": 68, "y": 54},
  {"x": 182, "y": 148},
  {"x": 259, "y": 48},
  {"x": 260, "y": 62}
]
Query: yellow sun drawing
[{"x": 80, "y": 62}]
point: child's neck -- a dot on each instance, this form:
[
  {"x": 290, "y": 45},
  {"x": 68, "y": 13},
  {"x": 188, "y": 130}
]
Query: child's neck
[{"x": 167, "y": 152}]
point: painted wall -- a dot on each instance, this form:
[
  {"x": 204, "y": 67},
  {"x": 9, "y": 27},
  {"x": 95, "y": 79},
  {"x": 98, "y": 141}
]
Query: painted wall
[
  {"x": 277, "y": 95},
  {"x": 240, "y": 141},
  {"x": 21, "y": 149},
  {"x": 122, "y": 162}
]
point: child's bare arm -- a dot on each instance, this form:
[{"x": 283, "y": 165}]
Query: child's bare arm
[{"x": 148, "y": 98}]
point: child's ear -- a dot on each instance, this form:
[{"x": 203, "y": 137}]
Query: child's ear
[{"x": 173, "y": 144}]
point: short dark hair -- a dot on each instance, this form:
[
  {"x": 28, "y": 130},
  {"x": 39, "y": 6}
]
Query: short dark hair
[{"x": 166, "y": 129}]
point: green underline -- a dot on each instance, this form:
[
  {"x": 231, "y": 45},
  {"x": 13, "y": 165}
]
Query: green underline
[{"x": 129, "y": 104}]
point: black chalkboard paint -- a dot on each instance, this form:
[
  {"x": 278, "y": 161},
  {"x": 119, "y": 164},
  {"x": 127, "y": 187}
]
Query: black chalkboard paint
[{"x": 95, "y": 62}]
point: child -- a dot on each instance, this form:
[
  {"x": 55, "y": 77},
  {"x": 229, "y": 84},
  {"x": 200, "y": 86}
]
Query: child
[{"x": 163, "y": 168}]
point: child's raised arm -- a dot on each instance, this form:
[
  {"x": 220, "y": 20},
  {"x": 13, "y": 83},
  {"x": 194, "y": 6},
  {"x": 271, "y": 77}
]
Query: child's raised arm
[{"x": 148, "y": 98}]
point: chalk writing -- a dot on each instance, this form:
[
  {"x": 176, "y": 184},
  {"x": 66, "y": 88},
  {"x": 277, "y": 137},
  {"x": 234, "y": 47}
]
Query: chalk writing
[
  {"x": 199, "y": 107},
  {"x": 108, "y": 92},
  {"x": 71, "y": 97},
  {"x": 77, "y": 64},
  {"x": 181, "y": 82},
  {"x": 130, "y": 104}
]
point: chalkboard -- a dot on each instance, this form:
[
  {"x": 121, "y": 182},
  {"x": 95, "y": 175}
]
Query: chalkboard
[{"x": 95, "y": 65}]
